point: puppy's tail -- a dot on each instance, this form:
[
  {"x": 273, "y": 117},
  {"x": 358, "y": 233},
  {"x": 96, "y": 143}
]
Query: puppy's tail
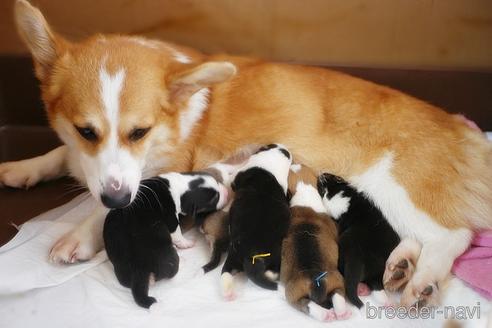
[
  {"x": 352, "y": 275},
  {"x": 256, "y": 272},
  {"x": 140, "y": 289},
  {"x": 318, "y": 289},
  {"x": 220, "y": 246}
]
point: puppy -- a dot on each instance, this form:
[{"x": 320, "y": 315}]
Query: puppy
[
  {"x": 139, "y": 238},
  {"x": 215, "y": 226},
  {"x": 310, "y": 253},
  {"x": 365, "y": 237},
  {"x": 259, "y": 218}
]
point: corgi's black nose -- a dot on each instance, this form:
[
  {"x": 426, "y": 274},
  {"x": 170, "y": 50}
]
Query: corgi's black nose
[
  {"x": 115, "y": 195},
  {"x": 116, "y": 201}
]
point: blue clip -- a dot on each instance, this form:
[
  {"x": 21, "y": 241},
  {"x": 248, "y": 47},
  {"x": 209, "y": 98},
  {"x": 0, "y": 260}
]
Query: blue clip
[{"x": 319, "y": 277}]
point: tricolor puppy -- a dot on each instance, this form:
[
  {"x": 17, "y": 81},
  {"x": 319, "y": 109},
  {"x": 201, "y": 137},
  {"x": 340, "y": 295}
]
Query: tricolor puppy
[
  {"x": 258, "y": 218},
  {"x": 139, "y": 238},
  {"x": 309, "y": 269},
  {"x": 128, "y": 108},
  {"x": 365, "y": 239}
]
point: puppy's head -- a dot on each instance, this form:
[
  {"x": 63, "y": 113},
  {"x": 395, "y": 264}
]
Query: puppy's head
[
  {"x": 274, "y": 158},
  {"x": 123, "y": 105},
  {"x": 329, "y": 185},
  {"x": 203, "y": 194}
]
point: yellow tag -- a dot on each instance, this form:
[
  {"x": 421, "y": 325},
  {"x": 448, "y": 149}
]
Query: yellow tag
[{"x": 260, "y": 255}]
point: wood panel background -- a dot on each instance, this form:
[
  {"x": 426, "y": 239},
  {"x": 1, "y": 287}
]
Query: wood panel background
[{"x": 449, "y": 34}]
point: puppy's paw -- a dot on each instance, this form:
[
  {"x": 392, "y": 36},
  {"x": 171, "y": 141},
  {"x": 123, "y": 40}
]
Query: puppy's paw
[
  {"x": 184, "y": 243},
  {"x": 418, "y": 295},
  {"x": 363, "y": 289},
  {"x": 21, "y": 174},
  {"x": 72, "y": 247},
  {"x": 397, "y": 273},
  {"x": 227, "y": 287},
  {"x": 342, "y": 310},
  {"x": 320, "y": 313}
]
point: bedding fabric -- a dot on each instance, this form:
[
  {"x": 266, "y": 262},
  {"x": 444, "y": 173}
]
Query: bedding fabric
[{"x": 36, "y": 293}]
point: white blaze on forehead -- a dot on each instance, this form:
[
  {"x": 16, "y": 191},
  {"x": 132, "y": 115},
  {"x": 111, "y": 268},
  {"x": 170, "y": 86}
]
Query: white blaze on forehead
[
  {"x": 111, "y": 86},
  {"x": 197, "y": 104}
]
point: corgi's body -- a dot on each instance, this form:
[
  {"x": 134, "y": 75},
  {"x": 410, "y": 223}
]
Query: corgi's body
[
  {"x": 309, "y": 270},
  {"x": 128, "y": 108}
]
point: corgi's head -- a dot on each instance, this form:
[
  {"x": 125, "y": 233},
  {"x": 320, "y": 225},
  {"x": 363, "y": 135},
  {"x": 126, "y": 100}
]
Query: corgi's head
[{"x": 115, "y": 100}]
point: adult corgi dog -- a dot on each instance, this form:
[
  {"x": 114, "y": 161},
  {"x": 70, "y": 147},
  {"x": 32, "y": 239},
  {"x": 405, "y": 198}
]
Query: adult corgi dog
[{"x": 128, "y": 108}]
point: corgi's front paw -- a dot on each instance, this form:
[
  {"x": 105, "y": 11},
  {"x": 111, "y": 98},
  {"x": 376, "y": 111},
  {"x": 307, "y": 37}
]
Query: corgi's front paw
[
  {"x": 72, "y": 247},
  {"x": 21, "y": 174}
]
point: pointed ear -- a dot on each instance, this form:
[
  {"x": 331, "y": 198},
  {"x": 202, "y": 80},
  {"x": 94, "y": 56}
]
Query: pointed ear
[
  {"x": 43, "y": 44},
  {"x": 186, "y": 83}
]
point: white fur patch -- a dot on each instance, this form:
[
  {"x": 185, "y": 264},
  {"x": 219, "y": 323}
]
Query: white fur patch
[
  {"x": 227, "y": 285},
  {"x": 339, "y": 304},
  {"x": 394, "y": 202},
  {"x": 307, "y": 195},
  {"x": 197, "y": 104},
  {"x": 295, "y": 167},
  {"x": 112, "y": 162},
  {"x": 336, "y": 205},
  {"x": 317, "y": 311},
  {"x": 182, "y": 58},
  {"x": 273, "y": 161}
]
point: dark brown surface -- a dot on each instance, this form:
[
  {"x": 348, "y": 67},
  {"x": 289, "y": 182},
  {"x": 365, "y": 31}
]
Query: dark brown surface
[{"x": 23, "y": 131}]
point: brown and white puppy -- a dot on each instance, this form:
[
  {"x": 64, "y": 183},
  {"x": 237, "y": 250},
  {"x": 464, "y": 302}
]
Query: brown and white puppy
[
  {"x": 128, "y": 108},
  {"x": 309, "y": 267}
]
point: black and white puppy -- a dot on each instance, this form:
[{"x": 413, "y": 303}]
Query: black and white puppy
[
  {"x": 139, "y": 238},
  {"x": 258, "y": 218},
  {"x": 365, "y": 238}
]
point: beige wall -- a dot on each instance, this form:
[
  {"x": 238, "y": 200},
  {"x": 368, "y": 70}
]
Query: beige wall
[{"x": 454, "y": 34}]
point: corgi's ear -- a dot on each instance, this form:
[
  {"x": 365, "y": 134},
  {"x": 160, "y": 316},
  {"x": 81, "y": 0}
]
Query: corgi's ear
[
  {"x": 183, "y": 85},
  {"x": 43, "y": 44}
]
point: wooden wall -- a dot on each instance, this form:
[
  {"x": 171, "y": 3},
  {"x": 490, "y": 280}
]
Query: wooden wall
[{"x": 450, "y": 34}]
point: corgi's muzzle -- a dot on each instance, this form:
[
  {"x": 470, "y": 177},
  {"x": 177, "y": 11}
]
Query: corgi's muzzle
[{"x": 115, "y": 194}]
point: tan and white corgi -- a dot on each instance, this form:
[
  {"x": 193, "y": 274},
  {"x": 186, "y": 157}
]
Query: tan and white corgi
[{"x": 127, "y": 108}]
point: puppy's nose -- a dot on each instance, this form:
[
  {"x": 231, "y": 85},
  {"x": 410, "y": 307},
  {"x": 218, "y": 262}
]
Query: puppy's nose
[{"x": 115, "y": 195}]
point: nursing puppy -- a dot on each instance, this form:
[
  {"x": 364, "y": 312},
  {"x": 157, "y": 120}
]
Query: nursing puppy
[
  {"x": 259, "y": 218},
  {"x": 310, "y": 253},
  {"x": 365, "y": 237},
  {"x": 139, "y": 239}
]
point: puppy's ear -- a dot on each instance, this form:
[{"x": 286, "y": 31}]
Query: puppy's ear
[
  {"x": 44, "y": 45},
  {"x": 185, "y": 84}
]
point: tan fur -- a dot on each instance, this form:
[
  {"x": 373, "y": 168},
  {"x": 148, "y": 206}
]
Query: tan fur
[
  {"x": 297, "y": 283},
  {"x": 334, "y": 122},
  {"x": 215, "y": 226}
]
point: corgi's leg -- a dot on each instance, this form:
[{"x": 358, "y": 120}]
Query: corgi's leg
[
  {"x": 180, "y": 241},
  {"x": 28, "y": 172},
  {"x": 434, "y": 264},
  {"x": 83, "y": 242},
  {"x": 400, "y": 265}
]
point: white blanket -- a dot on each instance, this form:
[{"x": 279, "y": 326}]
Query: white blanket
[{"x": 35, "y": 293}]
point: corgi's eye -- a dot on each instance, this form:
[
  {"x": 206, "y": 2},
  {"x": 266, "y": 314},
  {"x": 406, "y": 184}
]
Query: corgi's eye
[
  {"x": 138, "y": 134},
  {"x": 87, "y": 133}
]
